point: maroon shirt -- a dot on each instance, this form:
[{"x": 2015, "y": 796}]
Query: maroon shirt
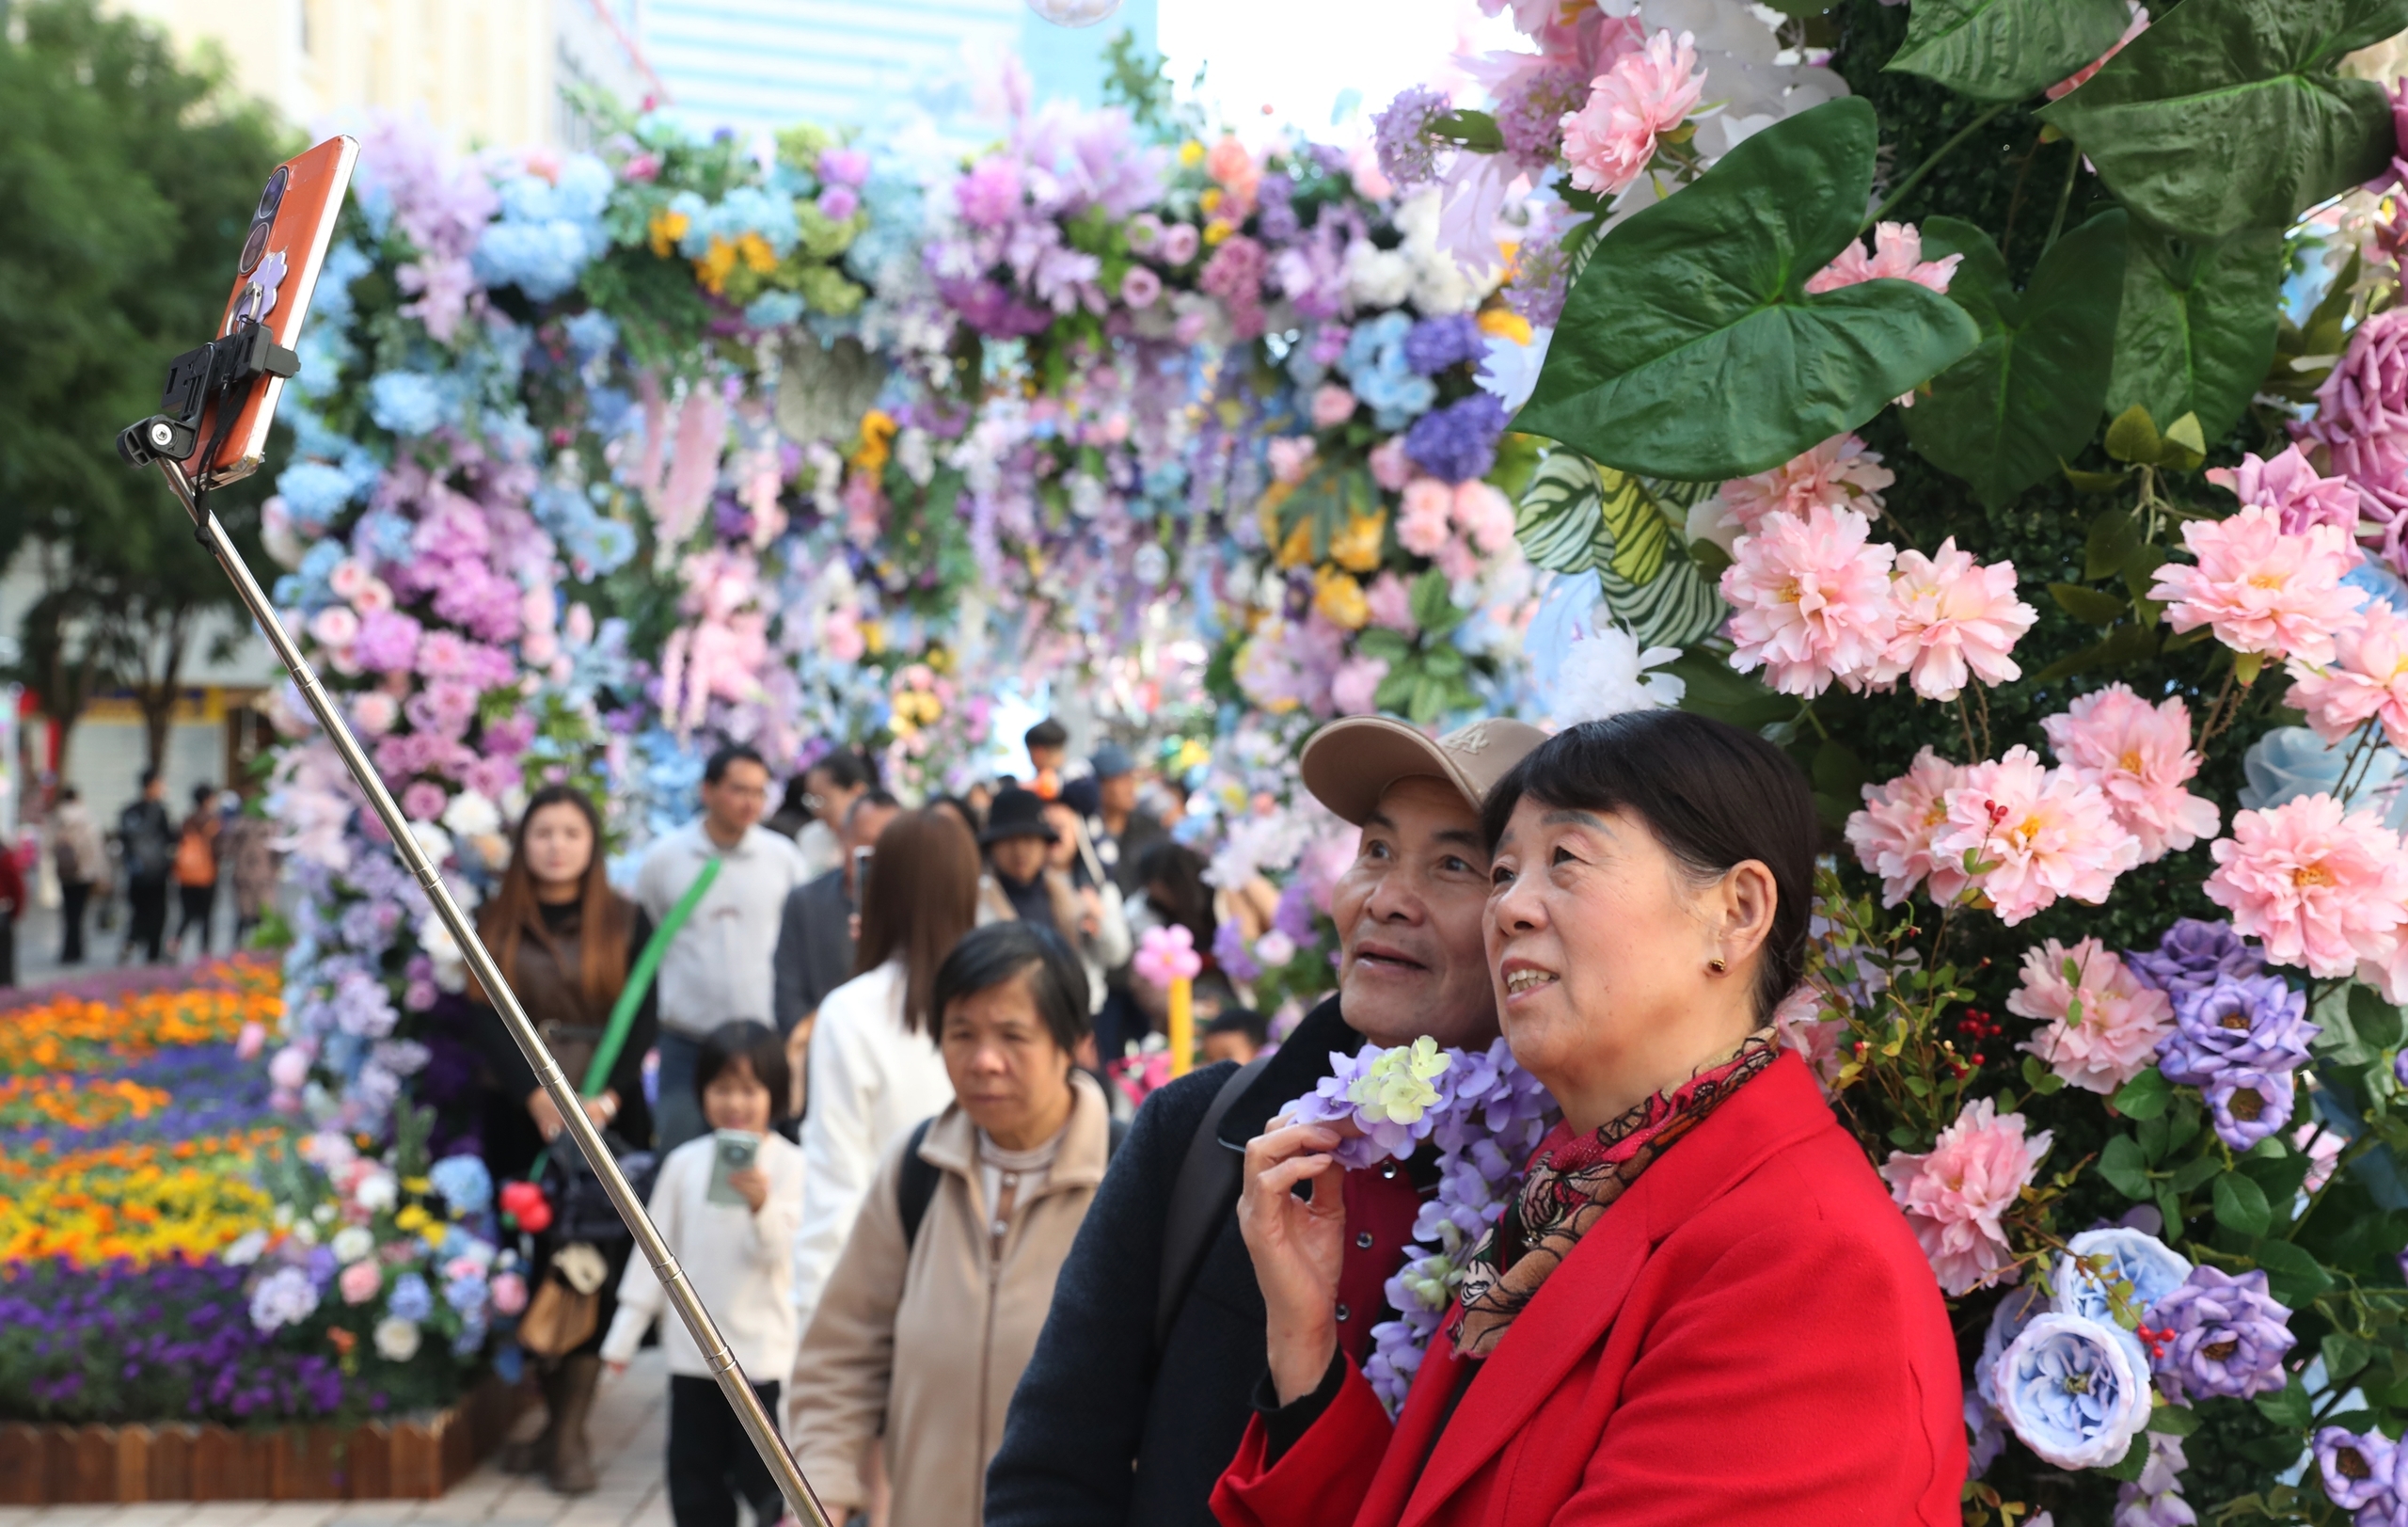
[{"x": 1382, "y": 1202}]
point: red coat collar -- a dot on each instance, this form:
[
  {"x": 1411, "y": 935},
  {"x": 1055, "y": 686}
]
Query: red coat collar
[{"x": 1578, "y": 1302}]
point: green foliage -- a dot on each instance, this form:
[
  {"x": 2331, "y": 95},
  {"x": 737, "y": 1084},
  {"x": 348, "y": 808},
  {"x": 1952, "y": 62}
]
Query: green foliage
[
  {"x": 2227, "y": 113},
  {"x": 2199, "y": 324},
  {"x": 1688, "y": 347},
  {"x": 1576, "y": 517},
  {"x": 2006, "y": 50},
  {"x": 2029, "y": 396}
]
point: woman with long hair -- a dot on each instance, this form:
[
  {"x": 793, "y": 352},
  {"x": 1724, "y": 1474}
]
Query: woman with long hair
[
  {"x": 564, "y": 940},
  {"x": 1700, "y": 1305},
  {"x": 875, "y": 1070}
]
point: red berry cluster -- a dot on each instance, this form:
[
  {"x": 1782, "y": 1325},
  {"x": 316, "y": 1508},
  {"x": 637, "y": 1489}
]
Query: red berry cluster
[{"x": 2156, "y": 1340}]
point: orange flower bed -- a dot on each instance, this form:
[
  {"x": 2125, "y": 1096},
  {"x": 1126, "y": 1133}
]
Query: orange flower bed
[{"x": 74, "y": 1033}]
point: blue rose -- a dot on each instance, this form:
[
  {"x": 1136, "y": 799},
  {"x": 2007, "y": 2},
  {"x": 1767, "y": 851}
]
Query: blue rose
[
  {"x": 2067, "y": 1389},
  {"x": 2097, "y": 1260},
  {"x": 2290, "y": 762}
]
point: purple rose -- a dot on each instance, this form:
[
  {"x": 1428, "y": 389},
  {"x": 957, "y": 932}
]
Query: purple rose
[
  {"x": 2246, "y": 1104},
  {"x": 2251, "y": 1021},
  {"x": 2361, "y": 413},
  {"x": 2229, "y": 1337},
  {"x": 2356, "y": 1470},
  {"x": 2193, "y": 954}
]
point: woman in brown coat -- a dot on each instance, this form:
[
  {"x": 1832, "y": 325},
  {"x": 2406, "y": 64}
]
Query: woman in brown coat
[{"x": 938, "y": 1297}]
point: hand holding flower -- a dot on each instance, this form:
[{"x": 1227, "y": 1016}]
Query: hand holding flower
[{"x": 1297, "y": 1246}]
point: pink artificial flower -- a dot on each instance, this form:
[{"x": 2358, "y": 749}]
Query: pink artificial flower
[
  {"x": 2081, "y": 77},
  {"x": 1892, "y": 833},
  {"x": 1391, "y": 604},
  {"x": 990, "y": 195},
  {"x": 2112, "y": 1037},
  {"x": 1610, "y": 140},
  {"x": 1956, "y": 1196},
  {"x": 2290, "y": 486},
  {"x": 1291, "y": 457},
  {"x": 424, "y": 800},
  {"x": 2362, "y": 420},
  {"x": 360, "y": 1281},
  {"x": 1799, "y": 1024},
  {"x": 2322, "y": 1147},
  {"x": 251, "y": 1041},
  {"x": 1484, "y": 515},
  {"x": 1168, "y": 954},
  {"x": 1426, "y": 522},
  {"x": 2262, "y": 590},
  {"x": 1332, "y": 405},
  {"x": 335, "y": 628},
  {"x": 641, "y": 168},
  {"x": 1355, "y": 686},
  {"x": 1140, "y": 288},
  {"x": 374, "y": 713},
  {"x": 1390, "y": 467},
  {"x": 2367, "y": 678},
  {"x": 1956, "y": 617},
  {"x": 1840, "y": 474},
  {"x": 2139, "y": 754},
  {"x": 2320, "y": 885},
  {"x": 509, "y": 1290},
  {"x": 1236, "y": 171},
  {"x": 1179, "y": 243},
  {"x": 1811, "y": 602},
  {"x": 1897, "y": 255},
  {"x": 2045, "y": 832}
]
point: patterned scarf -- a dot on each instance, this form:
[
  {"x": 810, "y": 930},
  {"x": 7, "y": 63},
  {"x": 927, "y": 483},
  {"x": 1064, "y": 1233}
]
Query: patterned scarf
[{"x": 1574, "y": 1180}]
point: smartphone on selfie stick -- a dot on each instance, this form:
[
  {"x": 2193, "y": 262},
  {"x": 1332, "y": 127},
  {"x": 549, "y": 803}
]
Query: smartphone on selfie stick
[{"x": 212, "y": 428}]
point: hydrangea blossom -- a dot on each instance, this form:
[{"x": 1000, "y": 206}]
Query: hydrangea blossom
[
  {"x": 2320, "y": 887},
  {"x": 2264, "y": 592},
  {"x": 1957, "y": 1194},
  {"x": 1957, "y": 620},
  {"x": 286, "y": 1296},
  {"x": 2140, "y": 756},
  {"x": 2103, "y": 1025},
  {"x": 1811, "y": 603}
]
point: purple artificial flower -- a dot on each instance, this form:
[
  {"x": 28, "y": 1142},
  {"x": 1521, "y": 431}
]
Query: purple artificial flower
[
  {"x": 1436, "y": 343},
  {"x": 2193, "y": 953},
  {"x": 1529, "y": 115},
  {"x": 387, "y": 643},
  {"x": 838, "y": 203},
  {"x": 2357, "y": 418},
  {"x": 2155, "y": 1499},
  {"x": 2356, "y": 1470},
  {"x": 1294, "y": 914},
  {"x": 2247, "y": 1105},
  {"x": 2257, "y": 1022},
  {"x": 990, "y": 195},
  {"x": 1230, "y": 953},
  {"x": 1401, "y": 134},
  {"x": 844, "y": 166},
  {"x": 1275, "y": 208},
  {"x": 2229, "y": 1337},
  {"x": 1458, "y": 443}
]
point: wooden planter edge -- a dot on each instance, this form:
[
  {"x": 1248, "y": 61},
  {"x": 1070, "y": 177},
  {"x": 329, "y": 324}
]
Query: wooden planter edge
[{"x": 404, "y": 1459}]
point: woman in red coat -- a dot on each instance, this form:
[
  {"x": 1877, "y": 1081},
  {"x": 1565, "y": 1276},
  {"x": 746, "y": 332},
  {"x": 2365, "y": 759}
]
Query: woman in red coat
[{"x": 1702, "y": 1308}]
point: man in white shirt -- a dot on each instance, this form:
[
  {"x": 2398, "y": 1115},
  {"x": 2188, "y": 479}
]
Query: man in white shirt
[{"x": 717, "y": 967}]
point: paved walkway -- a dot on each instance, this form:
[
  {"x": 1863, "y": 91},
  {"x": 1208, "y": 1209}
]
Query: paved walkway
[{"x": 628, "y": 1431}]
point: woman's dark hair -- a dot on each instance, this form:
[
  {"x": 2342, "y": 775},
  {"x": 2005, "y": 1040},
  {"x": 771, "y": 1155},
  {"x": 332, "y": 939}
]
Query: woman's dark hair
[
  {"x": 1006, "y": 952},
  {"x": 1714, "y": 796},
  {"x": 845, "y": 769},
  {"x": 605, "y": 920},
  {"x": 758, "y": 1046},
  {"x": 921, "y": 896},
  {"x": 1173, "y": 876}
]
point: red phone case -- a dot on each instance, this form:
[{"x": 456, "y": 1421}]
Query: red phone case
[{"x": 278, "y": 270}]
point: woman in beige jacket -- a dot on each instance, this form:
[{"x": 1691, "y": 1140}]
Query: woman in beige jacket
[{"x": 937, "y": 1299}]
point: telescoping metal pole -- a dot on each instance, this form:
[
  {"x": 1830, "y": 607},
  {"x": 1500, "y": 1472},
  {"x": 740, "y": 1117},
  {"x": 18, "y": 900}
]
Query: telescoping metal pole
[{"x": 732, "y": 1382}]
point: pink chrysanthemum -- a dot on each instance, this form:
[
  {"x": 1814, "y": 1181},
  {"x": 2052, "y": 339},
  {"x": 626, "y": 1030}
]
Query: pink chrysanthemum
[
  {"x": 1840, "y": 474},
  {"x": 1799, "y": 1022},
  {"x": 1956, "y": 1196},
  {"x": 1610, "y": 141},
  {"x": 2367, "y": 679},
  {"x": 2139, "y": 754},
  {"x": 2290, "y": 486},
  {"x": 2112, "y": 1037},
  {"x": 1425, "y": 520},
  {"x": 2045, "y": 834},
  {"x": 1956, "y": 618},
  {"x": 1811, "y": 602},
  {"x": 1896, "y": 255},
  {"x": 2263, "y": 592},
  {"x": 1892, "y": 833},
  {"x": 2319, "y": 886}
]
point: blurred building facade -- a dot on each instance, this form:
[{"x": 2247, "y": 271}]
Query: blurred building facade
[{"x": 485, "y": 72}]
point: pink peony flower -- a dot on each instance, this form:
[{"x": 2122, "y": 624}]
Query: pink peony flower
[
  {"x": 1426, "y": 522},
  {"x": 1332, "y": 405},
  {"x": 1897, "y": 255},
  {"x": 2367, "y": 679},
  {"x": 374, "y": 713},
  {"x": 1892, "y": 833},
  {"x": 1840, "y": 474},
  {"x": 2081, "y": 77},
  {"x": 424, "y": 800},
  {"x": 1391, "y": 604},
  {"x": 2103, "y": 1027},
  {"x": 2263, "y": 592},
  {"x": 360, "y": 1281},
  {"x": 1610, "y": 140},
  {"x": 1955, "y": 617},
  {"x": 2047, "y": 833},
  {"x": 2290, "y": 486},
  {"x": 1800, "y": 1024},
  {"x": 1811, "y": 602},
  {"x": 1390, "y": 467},
  {"x": 2139, "y": 754},
  {"x": 2321, "y": 887},
  {"x": 1484, "y": 515},
  {"x": 509, "y": 1294},
  {"x": 1291, "y": 457},
  {"x": 1956, "y": 1196},
  {"x": 1356, "y": 684},
  {"x": 335, "y": 628},
  {"x": 1140, "y": 288}
]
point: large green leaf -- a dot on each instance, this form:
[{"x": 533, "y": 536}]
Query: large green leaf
[
  {"x": 2227, "y": 113},
  {"x": 2005, "y": 50},
  {"x": 1561, "y": 513},
  {"x": 2029, "y": 396},
  {"x": 1688, "y": 347},
  {"x": 2198, "y": 327},
  {"x": 1576, "y": 517}
]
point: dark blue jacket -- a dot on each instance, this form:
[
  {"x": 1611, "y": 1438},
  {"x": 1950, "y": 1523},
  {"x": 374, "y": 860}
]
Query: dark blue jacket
[{"x": 1100, "y": 1434}]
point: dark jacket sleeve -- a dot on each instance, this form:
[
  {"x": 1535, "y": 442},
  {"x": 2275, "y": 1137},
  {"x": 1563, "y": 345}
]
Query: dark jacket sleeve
[
  {"x": 1071, "y": 1440},
  {"x": 643, "y": 1032},
  {"x": 790, "y": 967}
]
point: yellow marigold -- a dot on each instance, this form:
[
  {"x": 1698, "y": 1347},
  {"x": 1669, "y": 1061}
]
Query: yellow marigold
[
  {"x": 878, "y": 439},
  {"x": 756, "y": 252},
  {"x": 1340, "y": 599},
  {"x": 1506, "y": 325},
  {"x": 412, "y": 1219},
  {"x": 1356, "y": 547},
  {"x": 716, "y": 265},
  {"x": 1191, "y": 153},
  {"x": 666, "y": 229}
]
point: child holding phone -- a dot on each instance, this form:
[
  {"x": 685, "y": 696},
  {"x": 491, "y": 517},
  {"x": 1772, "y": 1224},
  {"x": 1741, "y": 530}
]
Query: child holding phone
[{"x": 728, "y": 1204}]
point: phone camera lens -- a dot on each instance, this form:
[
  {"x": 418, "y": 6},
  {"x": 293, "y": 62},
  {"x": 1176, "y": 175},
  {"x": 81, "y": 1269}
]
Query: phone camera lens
[
  {"x": 272, "y": 196},
  {"x": 253, "y": 248}
]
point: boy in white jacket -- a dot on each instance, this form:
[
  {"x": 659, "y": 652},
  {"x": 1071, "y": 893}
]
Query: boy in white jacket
[{"x": 738, "y": 1256}]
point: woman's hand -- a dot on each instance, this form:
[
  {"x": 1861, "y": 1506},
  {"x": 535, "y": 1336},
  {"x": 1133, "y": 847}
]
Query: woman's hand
[
  {"x": 547, "y": 1118},
  {"x": 1297, "y": 1246}
]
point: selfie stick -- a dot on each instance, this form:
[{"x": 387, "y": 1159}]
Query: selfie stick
[{"x": 148, "y": 443}]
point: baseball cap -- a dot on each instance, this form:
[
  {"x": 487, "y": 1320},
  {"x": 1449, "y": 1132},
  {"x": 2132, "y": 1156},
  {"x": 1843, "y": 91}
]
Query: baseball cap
[
  {"x": 1111, "y": 760},
  {"x": 1350, "y": 763}
]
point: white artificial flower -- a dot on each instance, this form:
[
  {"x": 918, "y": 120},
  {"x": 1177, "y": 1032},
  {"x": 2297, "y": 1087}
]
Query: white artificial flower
[
  {"x": 471, "y": 815},
  {"x": 397, "y": 1339},
  {"x": 432, "y": 841},
  {"x": 352, "y": 1242},
  {"x": 376, "y": 1192},
  {"x": 243, "y": 1252},
  {"x": 1509, "y": 370},
  {"x": 1605, "y": 674},
  {"x": 450, "y": 969},
  {"x": 1075, "y": 12},
  {"x": 1377, "y": 278}
]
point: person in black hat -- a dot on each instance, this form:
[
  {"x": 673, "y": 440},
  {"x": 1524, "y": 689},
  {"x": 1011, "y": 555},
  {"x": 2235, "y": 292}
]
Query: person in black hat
[{"x": 1020, "y": 884}]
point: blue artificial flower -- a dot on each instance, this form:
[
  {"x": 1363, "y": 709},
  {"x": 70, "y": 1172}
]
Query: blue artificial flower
[
  {"x": 2066, "y": 1386},
  {"x": 542, "y": 259},
  {"x": 2292, "y": 761},
  {"x": 314, "y": 493},
  {"x": 592, "y": 334},
  {"x": 1458, "y": 443},
  {"x": 2192, "y": 954},
  {"x": 331, "y": 304},
  {"x": 2379, "y": 582},
  {"x": 464, "y": 1182},
  {"x": 2151, "y": 1267},
  {"x": 773, "y": 310},
  {"x": 410, "y": 1299},
  {"x": 407, "y": 403},
  {"x": 1433, "y": 344}
]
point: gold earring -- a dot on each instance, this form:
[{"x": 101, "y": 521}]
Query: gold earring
[{"x": 1718, "y": 965}]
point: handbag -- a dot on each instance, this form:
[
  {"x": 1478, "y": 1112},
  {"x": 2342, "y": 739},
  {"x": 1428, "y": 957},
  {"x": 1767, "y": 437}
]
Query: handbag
[{"x": 566, "y": 1310}]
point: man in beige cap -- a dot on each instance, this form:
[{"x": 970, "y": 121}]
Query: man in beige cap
[{"x": 1143, "y": 1377}]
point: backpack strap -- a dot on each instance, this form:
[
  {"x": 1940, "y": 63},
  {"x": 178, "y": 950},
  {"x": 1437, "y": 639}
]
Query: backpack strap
[
  {"x": 1209, "y": 1180},
  {"x": 915, "y": 1186}
]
